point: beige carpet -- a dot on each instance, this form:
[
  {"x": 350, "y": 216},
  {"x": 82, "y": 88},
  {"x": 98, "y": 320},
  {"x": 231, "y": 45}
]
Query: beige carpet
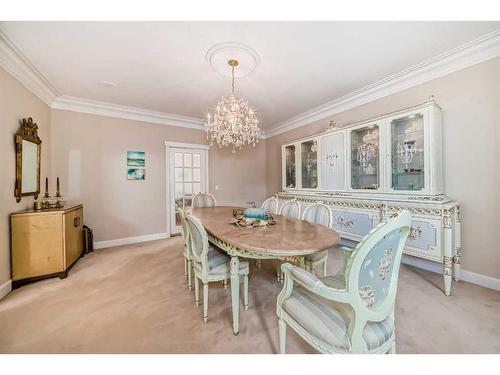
[{"x": 133, "y": 299}]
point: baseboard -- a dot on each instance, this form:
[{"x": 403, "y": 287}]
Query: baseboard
[
  {"x": 471, "y": 277},
  {"x": 130, "y": 240},
  {"x": 483, "y": 280},
  {"x": 5, "y": 288}
]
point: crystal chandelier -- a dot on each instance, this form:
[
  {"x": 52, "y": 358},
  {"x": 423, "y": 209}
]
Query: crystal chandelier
[{"x": 232, "y": 122}]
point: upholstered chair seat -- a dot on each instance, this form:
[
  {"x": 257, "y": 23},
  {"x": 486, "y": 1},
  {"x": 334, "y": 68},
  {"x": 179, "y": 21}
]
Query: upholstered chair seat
[
  {"x": 219, "y": 265},
  {"x": 328, "y": 321}
]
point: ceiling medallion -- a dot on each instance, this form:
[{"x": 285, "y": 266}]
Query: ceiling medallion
[
  {"x": 232, "y": 123},
  {"x": 219, "y": 54}
]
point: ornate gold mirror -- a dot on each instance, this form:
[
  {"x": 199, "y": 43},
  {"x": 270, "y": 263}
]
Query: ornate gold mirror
[{"x": 28, "y": 150}]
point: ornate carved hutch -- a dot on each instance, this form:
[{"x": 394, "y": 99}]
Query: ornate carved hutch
[{"x": 372, "y": 169}]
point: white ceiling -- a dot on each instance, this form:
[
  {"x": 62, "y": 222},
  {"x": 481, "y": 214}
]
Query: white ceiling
[{"x": 161, "y": 66}]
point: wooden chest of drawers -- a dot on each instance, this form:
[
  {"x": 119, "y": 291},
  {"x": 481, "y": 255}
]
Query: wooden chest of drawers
[{"x": 45, "y": 243}]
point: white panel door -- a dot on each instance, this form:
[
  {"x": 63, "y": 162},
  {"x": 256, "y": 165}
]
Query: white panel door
[
  {"x": 187, "y": 177},
  {"x": 332, "y": 162}
]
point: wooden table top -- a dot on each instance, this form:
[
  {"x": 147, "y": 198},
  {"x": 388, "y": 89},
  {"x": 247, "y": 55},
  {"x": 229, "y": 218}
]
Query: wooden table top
[{"x": 289, "y": 237}]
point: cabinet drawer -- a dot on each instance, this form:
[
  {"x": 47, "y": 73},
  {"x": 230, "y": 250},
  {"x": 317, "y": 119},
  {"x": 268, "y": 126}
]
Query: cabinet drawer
[
  {"x": 354, "y": 224},
  {"x": 424, "y": 239}
]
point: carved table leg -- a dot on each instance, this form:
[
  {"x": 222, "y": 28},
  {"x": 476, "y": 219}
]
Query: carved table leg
[{"x": 235, "y": 293}]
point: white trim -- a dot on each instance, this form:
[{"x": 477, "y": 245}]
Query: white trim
[
  {"x": 471, "y": 53},
  {"x": 471, "y": 277},
  {"x": 5, "y": 288},
  {"x": 483, "y": 280},
  {"x": 17, "y": 65},
  {"x": 194, "y": 146},
  {"x": 187, "y": 145},
  {"x": 69, "y": 103},
  {"x": 129, "y": 240}
]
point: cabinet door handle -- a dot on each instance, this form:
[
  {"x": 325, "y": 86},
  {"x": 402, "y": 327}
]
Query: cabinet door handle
[{"x": 76, "y": 222}]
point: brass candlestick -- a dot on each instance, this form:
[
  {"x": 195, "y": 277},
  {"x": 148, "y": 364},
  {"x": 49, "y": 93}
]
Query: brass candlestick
[
  {"x": 58, "y": 192},
  {"x": 47, "y": 187}
]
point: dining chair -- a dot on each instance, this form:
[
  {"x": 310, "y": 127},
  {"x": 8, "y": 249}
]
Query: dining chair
[
  {"x": 352, "y": 311},
  {"x": 186, "y": 249},
  {"x": 291, "y": 209},
  {"x": 204, "y": 200},
  {"x": 211, "y": 264},
  {"x": 270, "y": 205},
  {"x": 317, "y": 213}
]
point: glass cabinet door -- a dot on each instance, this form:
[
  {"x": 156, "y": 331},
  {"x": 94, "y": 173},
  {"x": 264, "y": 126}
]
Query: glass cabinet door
[
  {"x": 290, "y": 181},
  {"x": 407, "y": 150},
  {"x": 365, "y": 161},
  {"x": 309, "y": 161}
]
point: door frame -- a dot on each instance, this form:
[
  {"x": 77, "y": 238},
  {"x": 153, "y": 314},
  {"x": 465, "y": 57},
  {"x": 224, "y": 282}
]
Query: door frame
[{"x": 168, "y": 147}]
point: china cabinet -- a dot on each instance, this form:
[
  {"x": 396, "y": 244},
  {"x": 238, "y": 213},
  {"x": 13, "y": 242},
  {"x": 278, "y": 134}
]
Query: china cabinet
[{"x": 368, "y": 171}]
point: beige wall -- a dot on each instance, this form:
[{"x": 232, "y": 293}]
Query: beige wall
[
  {"x": 470, "y": 100},
  {"x": 241, "y": 177},
  {"x": 89, "y": 155},
  {"x": 16, "y": 103}
]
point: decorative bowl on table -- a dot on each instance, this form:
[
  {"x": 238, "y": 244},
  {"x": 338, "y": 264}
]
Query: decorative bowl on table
[
  {"x": 255, "y": 213},
  {"x": 252, "y": 217}
]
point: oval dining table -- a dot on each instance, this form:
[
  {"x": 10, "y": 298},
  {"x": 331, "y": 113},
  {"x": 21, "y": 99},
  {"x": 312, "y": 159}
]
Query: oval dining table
[{"x": 289, "y": 240}]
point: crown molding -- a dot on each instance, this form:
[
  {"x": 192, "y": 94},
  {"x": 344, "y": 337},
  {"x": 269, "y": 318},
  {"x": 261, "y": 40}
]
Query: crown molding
[
  {"x": 474, "y": 52},
  {"x": 464, "y": 56},
  {"x": 69, "y": 103},
  {"x": 17, "y": 65}
]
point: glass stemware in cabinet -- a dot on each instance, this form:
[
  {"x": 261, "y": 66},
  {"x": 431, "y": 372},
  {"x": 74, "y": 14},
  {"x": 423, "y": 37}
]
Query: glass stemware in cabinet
[
  {"x": 365, "y": 158},
  {"x": 309, "y": 160},
  {"x": 290, "y": 166},
  {"x": 407, "y": 143}
]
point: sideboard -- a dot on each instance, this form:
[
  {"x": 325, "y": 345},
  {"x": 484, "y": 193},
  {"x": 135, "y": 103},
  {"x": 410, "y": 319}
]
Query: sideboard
[
  {"x": 367, "y": 171},
  {"x": 45, "y": 243},
  {"x": 434, "y": 233}
]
